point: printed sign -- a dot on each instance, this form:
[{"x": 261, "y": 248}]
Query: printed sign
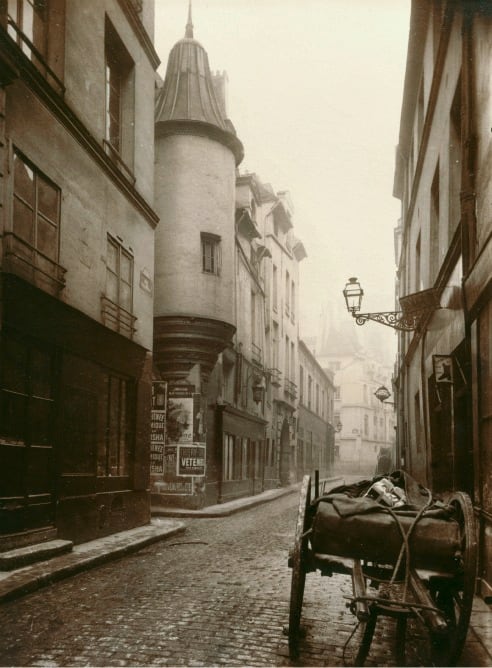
[
  {"x": 180, "y": 414},
  {"x": 443, "y": 368},
  {"x": 158, "y": 426},
  {"x": 191, "y": 460}
]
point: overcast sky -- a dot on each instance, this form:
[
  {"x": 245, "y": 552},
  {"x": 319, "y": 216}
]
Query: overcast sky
[{"x": 315, "y": 90}]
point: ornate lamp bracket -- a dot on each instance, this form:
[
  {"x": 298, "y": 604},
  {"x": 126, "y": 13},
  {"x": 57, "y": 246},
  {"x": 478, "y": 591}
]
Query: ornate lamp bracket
[{"x": 395, "y": 319}]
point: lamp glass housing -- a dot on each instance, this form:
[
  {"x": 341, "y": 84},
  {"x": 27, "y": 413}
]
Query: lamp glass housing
[
  {"x": 382, "y": 393},
  {"x": 353, "y": 295}
]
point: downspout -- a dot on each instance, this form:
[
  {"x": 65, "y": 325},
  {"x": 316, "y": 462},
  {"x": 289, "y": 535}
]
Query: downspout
[{"x": 468, "y": 212}]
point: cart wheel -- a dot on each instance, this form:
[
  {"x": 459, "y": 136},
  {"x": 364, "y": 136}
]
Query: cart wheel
[
  {"x": 455, "y": 597},
  {"x": 298, "y": 559}
]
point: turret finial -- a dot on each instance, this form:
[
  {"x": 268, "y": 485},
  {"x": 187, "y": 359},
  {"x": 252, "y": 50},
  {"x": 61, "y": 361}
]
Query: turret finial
[{"x": 189, "y": 25}]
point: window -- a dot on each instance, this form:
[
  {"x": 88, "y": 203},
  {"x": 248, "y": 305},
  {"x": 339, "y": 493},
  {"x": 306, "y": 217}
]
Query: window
[
  {"x": 35, "y": 223},
  {"x": 292, "y": 360},
  {"x": 119, "y": 100},
  {"x": 301, "y": 384},
  {"x": 30, "y": 17},
  {"x": 317, "y": 398},
  {"x": 418, "y": 284},
  {"x": 275, "y": 346},
  {"x": 337, "y": 392},
  {"x": 275, "y": 288},
  {"x": 287, "y": 359},
  {"x": 434, "y": 227},
  {"x": 113, "y": 457},
  {"x": 118, "y": 300},
  {"x": 26, "y": 393},
  {"x": 455, "y": 162},
  {"x": 292, "y": 301},
  {"x": 310, "y": 391},
  {"x": 211, "y": 255},
  {"x": 366, "y": 425},
  {"x": 287, "y": 292}
]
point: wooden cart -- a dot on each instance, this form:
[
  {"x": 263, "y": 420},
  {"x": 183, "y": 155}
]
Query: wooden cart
[{"x": 438, "y": 583}]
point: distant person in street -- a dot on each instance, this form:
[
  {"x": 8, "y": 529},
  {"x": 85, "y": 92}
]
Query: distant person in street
[{"x": 384, "y": 463}]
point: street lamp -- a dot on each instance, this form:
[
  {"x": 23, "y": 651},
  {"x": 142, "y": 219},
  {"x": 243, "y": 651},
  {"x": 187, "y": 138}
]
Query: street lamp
[
  {"x": 414, "y": 306},
  {"x": 338, "y": 427},
  {"x": 353, "y": 294},
  {"x": 382, "y": 393}
]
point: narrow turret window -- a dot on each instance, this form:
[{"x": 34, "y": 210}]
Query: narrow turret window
[{"x": 211, "y": 253}]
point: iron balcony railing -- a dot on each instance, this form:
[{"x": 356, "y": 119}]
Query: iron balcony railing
[
  {"x": 24, "y": 260},
  {"x": 275, "y": 376},
  {"x": 117, "y": 318},
  {"x": 116, "y": 158},
  {"x": 32, "y": 53},
  {"x": 256, "y": 355},
  {"x": 290, "y": 388}
]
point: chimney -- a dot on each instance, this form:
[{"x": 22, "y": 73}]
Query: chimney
[{"x": 220, "y": 81}]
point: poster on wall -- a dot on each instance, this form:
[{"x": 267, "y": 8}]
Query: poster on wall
[
  {"x": 158, "y": 426},
  {"x": 443, "y": 368},
  {"x": 191, "y": 460},
  {"x": 180, "y": 414}
]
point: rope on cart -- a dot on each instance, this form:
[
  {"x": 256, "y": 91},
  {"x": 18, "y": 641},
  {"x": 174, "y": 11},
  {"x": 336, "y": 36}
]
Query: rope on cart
[{"x": 405, "y": 548}]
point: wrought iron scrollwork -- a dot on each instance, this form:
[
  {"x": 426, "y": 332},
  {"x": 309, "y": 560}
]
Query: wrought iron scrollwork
[{"x": 395, "y": 319}]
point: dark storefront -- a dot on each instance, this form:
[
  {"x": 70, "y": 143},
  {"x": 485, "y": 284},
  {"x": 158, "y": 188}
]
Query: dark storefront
[
  {"x": 243, "y": 454},
  {"x": 74, "y": 415}
]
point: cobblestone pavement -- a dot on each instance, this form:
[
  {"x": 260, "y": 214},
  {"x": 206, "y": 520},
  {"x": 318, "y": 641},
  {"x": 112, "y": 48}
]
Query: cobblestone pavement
[{"x": 216, "y": 595}]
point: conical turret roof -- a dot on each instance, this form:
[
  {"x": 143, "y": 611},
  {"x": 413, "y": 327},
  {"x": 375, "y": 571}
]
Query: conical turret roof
[{"x": 188, "y": 98}]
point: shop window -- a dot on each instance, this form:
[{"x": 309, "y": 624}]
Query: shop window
[
  {"x": 114, "y": 450},
  {"x": 26, "y": 402},
  {"x": 211, "y": 253},
  {"x": 32, "y": 247},
  {"x": 117, "y": 303},
  {"x": 120, "y": 112}
]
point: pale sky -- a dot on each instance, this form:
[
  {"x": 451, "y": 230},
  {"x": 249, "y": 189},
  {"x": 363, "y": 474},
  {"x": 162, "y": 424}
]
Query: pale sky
[{"x": 315, "y": 91}]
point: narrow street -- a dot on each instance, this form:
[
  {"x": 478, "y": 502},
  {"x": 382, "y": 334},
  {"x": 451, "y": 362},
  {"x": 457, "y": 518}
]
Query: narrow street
[{"x": 216, "y": 595}]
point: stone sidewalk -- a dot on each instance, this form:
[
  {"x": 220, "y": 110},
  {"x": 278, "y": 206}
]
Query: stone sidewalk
[{"x": 93, "y": 553}]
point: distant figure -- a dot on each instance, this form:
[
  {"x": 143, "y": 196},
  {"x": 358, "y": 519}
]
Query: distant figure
[{"x": 384, "y": 463}]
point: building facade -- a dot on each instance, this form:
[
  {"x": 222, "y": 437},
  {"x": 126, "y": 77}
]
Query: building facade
[
  {"x": 365, "y": 426},
  {"x": 197, "y": 153},
  {"x": 315, "y": 419},
  {"x": 76, "y": 267},
  {"x": 443, "y": 179}
]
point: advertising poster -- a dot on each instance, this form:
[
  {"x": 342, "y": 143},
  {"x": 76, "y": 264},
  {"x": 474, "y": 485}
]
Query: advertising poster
[
  {"x": 180, "y": 414},
  {"x": 158, "y": 426},
  {"x": 191, "y": 460}
]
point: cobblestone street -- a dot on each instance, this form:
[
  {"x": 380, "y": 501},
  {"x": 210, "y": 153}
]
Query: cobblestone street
[{"x": 215, "y": 595}]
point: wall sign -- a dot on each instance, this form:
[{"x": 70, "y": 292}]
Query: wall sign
[
  {"x": 191, "y": 460},
  {"x": 443, "y": 368}
]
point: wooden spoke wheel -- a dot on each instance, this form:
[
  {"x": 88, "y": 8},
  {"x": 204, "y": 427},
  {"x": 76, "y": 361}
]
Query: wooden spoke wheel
[
  {"x": 454, "y": 596},
  {"x": 298, "y": 564}
]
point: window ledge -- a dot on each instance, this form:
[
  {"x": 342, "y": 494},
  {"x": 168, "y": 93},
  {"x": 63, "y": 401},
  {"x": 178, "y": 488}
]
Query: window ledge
[{"x": 25, "y": 261}]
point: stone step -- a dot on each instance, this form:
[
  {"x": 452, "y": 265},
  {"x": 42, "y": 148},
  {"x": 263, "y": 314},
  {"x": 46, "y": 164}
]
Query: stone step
[{"x": 23, "y": 556}]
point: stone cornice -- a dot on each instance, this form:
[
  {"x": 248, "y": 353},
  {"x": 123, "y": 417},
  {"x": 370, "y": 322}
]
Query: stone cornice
[{"x": 142, "y": 35}]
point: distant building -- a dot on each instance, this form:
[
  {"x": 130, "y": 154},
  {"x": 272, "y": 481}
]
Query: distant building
[
  {"x": 315, "y": 427},
  {"x": 367, "y": 425},
  {"x": 76, "y": 267},
  {"x": 443, "y": 179},
  {"x": 281, "y": 275},
  {"x": 364, "y": 426}
]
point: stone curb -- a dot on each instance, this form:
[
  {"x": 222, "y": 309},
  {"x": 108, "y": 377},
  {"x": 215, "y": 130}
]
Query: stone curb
[
  {"x": 83, "y": 557},
  {"x": 230, "y": 507}
]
